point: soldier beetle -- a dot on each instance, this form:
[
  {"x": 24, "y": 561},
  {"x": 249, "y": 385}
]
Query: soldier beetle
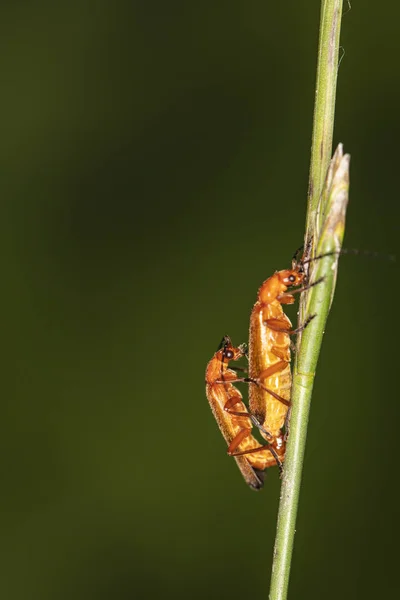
[
  {"x": 232, "y": 416},
  {"x": 269, "y": 353}
]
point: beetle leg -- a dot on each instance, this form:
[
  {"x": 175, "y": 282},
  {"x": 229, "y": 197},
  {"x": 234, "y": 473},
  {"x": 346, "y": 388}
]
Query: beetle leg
[
  {"x": 274, "y": 325},
  {"x": 243, "y": 434}
]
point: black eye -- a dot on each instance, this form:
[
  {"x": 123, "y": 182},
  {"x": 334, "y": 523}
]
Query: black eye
[
  {"x": 292, "y": 278},
  {"x": 229, "y": 354}
]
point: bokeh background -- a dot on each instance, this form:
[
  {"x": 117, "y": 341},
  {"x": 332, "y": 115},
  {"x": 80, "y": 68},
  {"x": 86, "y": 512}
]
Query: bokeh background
[{"x": 154, "y": 164}]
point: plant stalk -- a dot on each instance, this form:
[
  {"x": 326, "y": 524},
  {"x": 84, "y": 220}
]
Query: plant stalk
[{"x": 327, "y": 201}]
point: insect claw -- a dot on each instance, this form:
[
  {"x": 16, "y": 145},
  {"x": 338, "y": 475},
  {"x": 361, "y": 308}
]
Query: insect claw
[
  {"x": 309, "y": 319},
  {"x": 260, "y": 475},
  {"x": 244, "y": 349},
  {"x": 320, "y": 280}
]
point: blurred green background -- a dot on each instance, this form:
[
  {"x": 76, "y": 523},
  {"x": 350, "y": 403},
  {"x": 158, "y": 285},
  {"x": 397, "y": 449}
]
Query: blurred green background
[{"x": 154, "y": 165}]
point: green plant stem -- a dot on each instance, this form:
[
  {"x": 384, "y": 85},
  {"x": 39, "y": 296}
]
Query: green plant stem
[{"x": 324, "y": 228}]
